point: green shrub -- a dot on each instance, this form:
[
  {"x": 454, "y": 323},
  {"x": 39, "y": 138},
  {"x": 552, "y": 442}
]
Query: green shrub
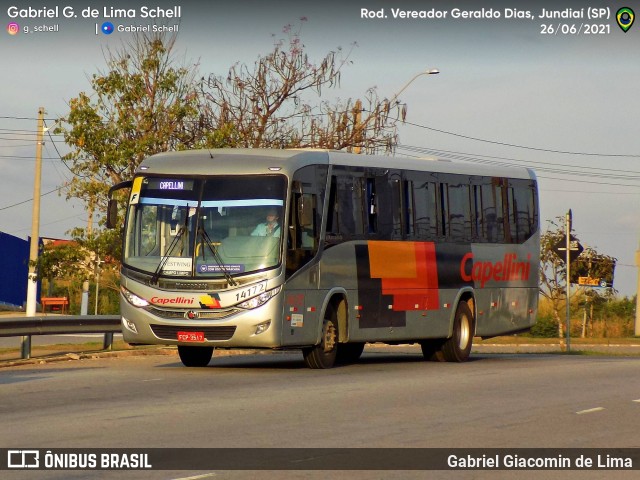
[{"x": 545, "y": 327}]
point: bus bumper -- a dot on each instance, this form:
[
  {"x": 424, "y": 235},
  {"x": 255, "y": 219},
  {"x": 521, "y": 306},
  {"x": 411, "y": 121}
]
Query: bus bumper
[{"x": 235, "y": 328}]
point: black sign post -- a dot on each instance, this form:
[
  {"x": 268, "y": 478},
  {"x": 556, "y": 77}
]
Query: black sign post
[
  {"x": 575, "y": 249},
  {"x": 568, "y": 249}
]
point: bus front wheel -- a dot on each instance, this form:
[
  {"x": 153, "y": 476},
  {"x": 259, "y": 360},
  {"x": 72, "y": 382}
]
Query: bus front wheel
[
  {"x": 195, "y": 356},
  {"x": 324, "y": 354}
]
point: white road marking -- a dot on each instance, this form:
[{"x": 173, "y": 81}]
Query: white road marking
[{"x": 590, "y": 410}]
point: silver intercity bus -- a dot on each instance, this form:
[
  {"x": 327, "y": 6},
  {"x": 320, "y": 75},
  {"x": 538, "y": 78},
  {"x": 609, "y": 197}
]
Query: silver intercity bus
[{"x": 324, "y": 251}]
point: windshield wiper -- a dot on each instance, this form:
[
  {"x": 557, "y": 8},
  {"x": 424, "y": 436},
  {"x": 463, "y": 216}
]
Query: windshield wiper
[
  {"x": 163, "y": 261},
  {"x": 216, "y": 256}
]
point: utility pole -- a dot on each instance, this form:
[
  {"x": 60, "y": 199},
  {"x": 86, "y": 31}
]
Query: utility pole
[{"x": 32, "y": 283}]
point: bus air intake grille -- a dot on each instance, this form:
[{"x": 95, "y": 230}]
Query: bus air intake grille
[
  {"x": 170, "y": 332},
  {"x": 202, "y": 314}
]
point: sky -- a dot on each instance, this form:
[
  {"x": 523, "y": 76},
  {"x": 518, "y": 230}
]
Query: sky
[{"x": 559, "y": 95}]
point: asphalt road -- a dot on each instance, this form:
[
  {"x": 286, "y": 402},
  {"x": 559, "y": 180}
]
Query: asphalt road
[{"x": 391, "y": 398}]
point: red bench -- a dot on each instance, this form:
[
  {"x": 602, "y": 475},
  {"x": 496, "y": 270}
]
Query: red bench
[{"x": 57, "y": 304}]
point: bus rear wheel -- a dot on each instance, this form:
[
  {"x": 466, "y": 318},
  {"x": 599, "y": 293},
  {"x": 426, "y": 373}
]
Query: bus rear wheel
[
  {"x": 324, "y": 354},
  {"x": 458, "y": 347},
  {"x": 195, "y": 356}
]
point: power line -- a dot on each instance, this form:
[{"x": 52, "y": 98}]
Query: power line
[
  {"x": 27, "y": 157},
  {"x": 29, "y": 200},
  {"x": 504, "y": 144},
  {"x": 487, "y": 161},
  {"x": 439, "y": 152},
  {"x": 8, "y": 117},
  {"x": 57, "y": 151},
  {"x": 490, "y": 160},
  {"x": 22, "y": 134}
]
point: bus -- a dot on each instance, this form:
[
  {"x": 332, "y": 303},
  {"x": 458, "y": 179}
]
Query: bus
[{"x": 367, "y": 249}]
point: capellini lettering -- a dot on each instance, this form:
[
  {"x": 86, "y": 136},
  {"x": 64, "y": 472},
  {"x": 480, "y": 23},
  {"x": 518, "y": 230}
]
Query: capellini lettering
[
  {"x": 172, "y": 301},
  {"x": 508, "y": 269}
]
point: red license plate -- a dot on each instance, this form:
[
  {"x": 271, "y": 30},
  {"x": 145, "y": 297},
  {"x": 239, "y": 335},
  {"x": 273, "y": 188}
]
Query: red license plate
[{"x": 191, "y": 336}]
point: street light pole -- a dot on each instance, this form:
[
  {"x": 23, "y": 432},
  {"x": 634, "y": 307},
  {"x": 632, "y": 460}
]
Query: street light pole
[
  {"x": 431, "y": 71},
  {"x": 358, "y": 104},
  {"x": 357, "y": 108}
]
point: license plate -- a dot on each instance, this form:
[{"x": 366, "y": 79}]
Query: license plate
[{"x": 191, "y": 336}]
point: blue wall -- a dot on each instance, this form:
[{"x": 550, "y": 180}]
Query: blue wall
[{"x": 14, "y": 255}]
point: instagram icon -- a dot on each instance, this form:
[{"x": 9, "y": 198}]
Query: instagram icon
[{"x": 13, "y": 28}]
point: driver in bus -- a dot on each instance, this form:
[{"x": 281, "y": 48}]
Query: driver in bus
[{"x": 270, "y": 228}]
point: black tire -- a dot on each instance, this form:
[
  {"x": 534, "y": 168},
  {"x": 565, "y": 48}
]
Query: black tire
[
  {"x": 324, "y": 354},
  {"x": 349, "y": 352},
  {"x": 458, "y": 347},
  {"x": 195, "y": 356}
]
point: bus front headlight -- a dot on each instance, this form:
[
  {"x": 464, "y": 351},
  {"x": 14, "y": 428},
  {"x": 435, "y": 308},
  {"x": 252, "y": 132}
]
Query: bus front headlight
[
  {"x": 133, "y": 299},
  {"x": 259, "y": 300}
]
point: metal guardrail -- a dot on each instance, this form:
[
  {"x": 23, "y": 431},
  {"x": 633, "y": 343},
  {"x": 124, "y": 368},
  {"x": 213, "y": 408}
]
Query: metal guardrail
[{"x": 58, "y": 325}]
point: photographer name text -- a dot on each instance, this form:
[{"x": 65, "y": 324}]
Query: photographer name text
[{"x": 90, "y": 12}]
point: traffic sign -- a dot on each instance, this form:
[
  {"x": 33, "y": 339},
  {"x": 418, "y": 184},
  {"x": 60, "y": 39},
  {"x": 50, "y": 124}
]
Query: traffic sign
[{"x": 575, "y": 249}]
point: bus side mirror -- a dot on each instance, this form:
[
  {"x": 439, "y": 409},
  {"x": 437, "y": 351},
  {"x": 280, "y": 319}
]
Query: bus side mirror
[
  {"x": 305, "y": 211},
  {"x": 112, "y": 213}
]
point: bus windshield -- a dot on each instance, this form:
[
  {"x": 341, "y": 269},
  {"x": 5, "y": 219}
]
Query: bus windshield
[{"x": 214, "y": 227}]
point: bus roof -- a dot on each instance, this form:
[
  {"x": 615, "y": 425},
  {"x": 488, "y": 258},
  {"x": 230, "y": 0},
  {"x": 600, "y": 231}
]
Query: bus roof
[{"x": 241, "y": 161}]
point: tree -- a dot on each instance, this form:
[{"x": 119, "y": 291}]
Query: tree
[
  {"x": 277, "y": 103},
  {"x": 145, "y": 102},
  {"x": 596, "y": 268},
  {"x": 553, "y": 275}
]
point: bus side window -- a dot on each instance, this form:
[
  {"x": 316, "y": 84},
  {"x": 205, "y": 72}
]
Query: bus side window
[
  {"x": 371, "y": 205},
  {"x": 305, "y": 210},
  {"x": 307, "y": 221},
  {"x": 502, "y": 218},
  {"x": 443, "y": 205},
  {"x": 334, "y": 208},
  {"x": 459, "y": 211},
  {"x": 522, "y": 212}
]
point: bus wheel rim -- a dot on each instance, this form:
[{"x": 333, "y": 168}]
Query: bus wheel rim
[
  {"x": 329, "y": 337},
  {"x": 465, "y": 332}
]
